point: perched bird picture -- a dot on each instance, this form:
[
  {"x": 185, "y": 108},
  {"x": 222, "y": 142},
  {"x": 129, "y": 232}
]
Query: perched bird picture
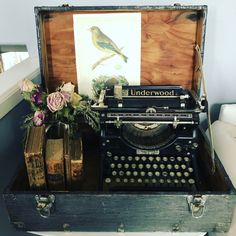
[{"x": 102, "y": 42}]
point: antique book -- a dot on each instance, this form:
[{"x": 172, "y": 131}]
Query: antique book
[
  {"x": 34, "y": 158},
  {"x": 55, "y": 164},
  {"x": 76, "y": 152}
]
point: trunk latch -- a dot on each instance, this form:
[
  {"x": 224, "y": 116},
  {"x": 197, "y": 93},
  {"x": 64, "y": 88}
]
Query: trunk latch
[
  {"x": 197, "y": 205},
  {"x": 45, "y": 205}
]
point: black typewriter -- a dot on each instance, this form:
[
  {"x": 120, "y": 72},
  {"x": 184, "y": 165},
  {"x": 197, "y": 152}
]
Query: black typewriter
[{"x": 149, "y": 138}]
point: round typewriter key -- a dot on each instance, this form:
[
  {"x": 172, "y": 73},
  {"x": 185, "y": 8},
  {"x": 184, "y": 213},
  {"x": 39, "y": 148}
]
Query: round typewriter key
[
  {"x": 165, "y": 159},
  {"x": 125, "y": 180},
  {"x": 140, "y": 181},
  {"x": 179, "y": 158},
  {"x": 126, "y": 165},
  {"x": 117, "y": 180},
  {"x": 154, "y": 166},
  {"x": 128, "y": 173},
  {"x": 109, "y": 154},
  {"x": 190, "y": 169},
  {"x": 146, "y": 181},
  {"x": 135, "y": 173},
  {"x": 150, "y": 174},
  {"x": 116, "y": 158},
  {"x": 133, "y": 165},
  {"x": 121, "y": 173},
  {"x": 130, "y": 158},
  {"x": 144, "y": 158},
  {"x": 142, "y": 173},
  {"x": 176, "y": 181},
  {"x": 186, "y": 159},
  {"x": 137, "y": 158},
  {"x": 183, "y": 166},
  {"x": 191, "y": 181},
  {"x": 140, "y": 166},
  {"x": 157, "y": 173},
  {"x": 172, "y": 174},
  {"x": 112, "y": 165},
  {"x": 183, "y": 181},
  {"x": 122, "y": 158},
  {"x": 119, "y": 165},
  {"x": 186, "y": 174},
  {"x": 172, "y": 158},
  {"x": 114, "y": 173},
  {"x": 154, "y": 181},
  {"x": 151, "y": 158},
  {"x": 168, "y": 181},
  {"x": 169, "y": 166},
  {"x": 164, "y": 173},
  {"x": 162, "y": 166},
  {"x": 158, "y": 158},
  {"x": 148, "y": 166},
  {"x": 132, "y": 180},
  {"x": 162, "y": 181},
  {"x": 108, "y": 180},
  {"x": 179, "y": 174},
  {"x": 176, "y": 166}
]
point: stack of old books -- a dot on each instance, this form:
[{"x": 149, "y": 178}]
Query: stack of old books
[{"x": 53, "y": 163}]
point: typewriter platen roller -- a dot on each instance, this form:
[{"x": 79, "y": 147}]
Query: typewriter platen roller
[{"x": 149, "y": 138}]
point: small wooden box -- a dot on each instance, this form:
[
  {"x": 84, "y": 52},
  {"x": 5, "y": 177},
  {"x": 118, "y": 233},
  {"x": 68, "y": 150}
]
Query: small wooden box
[{"x": 169, "y": 35}]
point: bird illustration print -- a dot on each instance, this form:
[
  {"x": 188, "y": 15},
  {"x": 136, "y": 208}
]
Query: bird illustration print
[{"x": 102, "y": 42}]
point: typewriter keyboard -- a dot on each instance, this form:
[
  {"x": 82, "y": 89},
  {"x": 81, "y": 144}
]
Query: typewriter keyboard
[{"x": 149, "y": 172}]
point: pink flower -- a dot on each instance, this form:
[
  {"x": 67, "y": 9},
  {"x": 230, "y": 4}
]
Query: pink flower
[
  {"x": 26, "y": 85},
  {"x": 37, "y": 97},
  {"x": 56, "y": 101},
  {"x": 39, "y": 117}
]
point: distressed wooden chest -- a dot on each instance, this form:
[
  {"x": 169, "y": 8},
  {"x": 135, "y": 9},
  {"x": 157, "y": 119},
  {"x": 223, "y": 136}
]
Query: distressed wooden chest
[{"x": 169, "y": 35}]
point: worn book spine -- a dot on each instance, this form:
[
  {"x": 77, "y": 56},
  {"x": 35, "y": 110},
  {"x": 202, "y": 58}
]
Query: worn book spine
[
  {"x": 55, "y": 164},
  {"x": 76, "y": 162},
  {"x": 34, "y": 157},
  {"x": 66, "y": 143}
]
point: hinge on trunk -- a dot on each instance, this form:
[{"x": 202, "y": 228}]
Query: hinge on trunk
[
  {"x": 197, "y": 205},
  {"x": 45, "y": 204}
]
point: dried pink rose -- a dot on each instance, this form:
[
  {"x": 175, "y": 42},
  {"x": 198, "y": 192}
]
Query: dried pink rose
[
  {"x": 56, "y": 101},
  {"x": 39, "y": 117},
  {"x": 26, "y": 85}
]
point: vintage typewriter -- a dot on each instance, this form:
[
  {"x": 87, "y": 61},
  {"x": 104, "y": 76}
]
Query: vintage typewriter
[{"x": 149, "y": 138}]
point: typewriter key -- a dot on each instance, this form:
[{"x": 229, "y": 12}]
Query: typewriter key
[
  {"x": 148, "y": 166},
  {"x": 140, "y": 166},
  {"x": 117, "y": 180},
  {"x": 165, "y": 159},
  {"x": 135, "y": 173},
  {"x": 125, "y": 180},
  {"x": 128, "y": 173},
  {"x": 157, "y": 173},
  {"x": 114, "y": 173},
  {"x": 162, "y": 166},
  {"x": 122, "y": 158},
  {"x": 165, "y": 174},
  {"x": 126, "y": 165},
  {"x": 190, "y": 169},
  {"x": 109, "y": 154},
  {"x": 108, "y": 180},
  {"x": 186, "y": 159},
  {"x": 137, "y": 158},
  {"x": 169, "y": 166},
  {"x": 146, "y": 181},
  {"x": 112, "y": 165},
  {"x": 116, "y": 158},
  {"x": 172, "y": 159},
  {"x": 168, "y": 181},
  {"x": 179, "y": 158},
  {"x": 172, "y": 174},
  {"x": 144, "y": 158},
  {"x": 155, "y": 166},
  {"x": 179, "y": 174},
  {"x": 119, "y": 165},
  {"x": 158, "y": 158},
  {"x": 150, "y": 174},
  {"x": 133, "y": 165},
  {"x": 151, "y": 158},
  {"x": 130, "y": 158},
  {"x": 162, "y": 181},
  {"x": 154, "y": 181},
  {"x": 140, "y": 181},
  {"x": 183, "y": 181},
  {"x": 176, "y": 166},
  {"x": 183, "y": 166},
  {"x": 121, "y": 173},
  {"x": 132, "y": 180},
  {"x": 191, "y": 181},
  {"x": 176, "y": 181},
  {"x": 142, "y": 173},
  {"x": 186, "y": 174}
]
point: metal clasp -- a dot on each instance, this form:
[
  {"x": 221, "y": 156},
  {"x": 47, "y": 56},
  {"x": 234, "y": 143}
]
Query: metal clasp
[
  {"x": 197, "y": 205},
  {"x": 45, "y": 205}
]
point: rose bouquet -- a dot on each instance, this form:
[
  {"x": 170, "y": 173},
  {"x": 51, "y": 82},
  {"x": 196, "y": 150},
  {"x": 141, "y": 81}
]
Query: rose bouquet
[{"x": 64, "y": 105}]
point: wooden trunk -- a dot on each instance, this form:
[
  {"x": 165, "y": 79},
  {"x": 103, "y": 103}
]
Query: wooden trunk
[{"x": 168, "y": 57}]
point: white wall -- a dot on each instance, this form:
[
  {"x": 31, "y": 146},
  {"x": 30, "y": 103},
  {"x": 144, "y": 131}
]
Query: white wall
[{"x": 17, "y": 26}]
